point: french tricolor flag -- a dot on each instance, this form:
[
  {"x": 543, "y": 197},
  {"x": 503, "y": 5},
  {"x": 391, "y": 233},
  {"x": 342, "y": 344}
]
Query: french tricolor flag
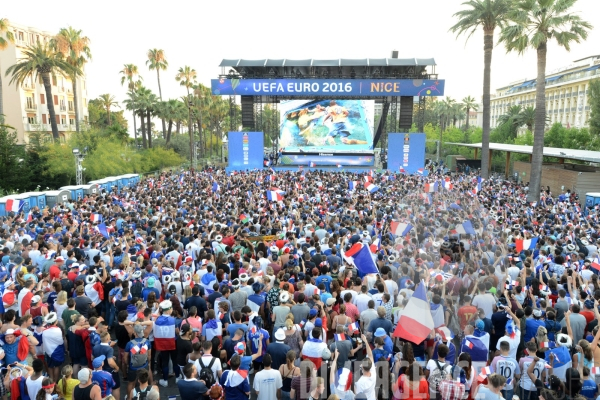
[
  {"x": 339, "y": 337},
  {"x": 353, "y": 327},
  {"x": 215, "y": 187},
  {"x": 527, "y": 244},
  {"x": 421, "y": 171},
  {"x": 274, "y": 196},
  {"x": 468, "y": 344},
  {"x": 595, "y": 371},
  {"x": 14, "y": 205},
  {"x": 485, "y": 372},
  {"x": 139, "y": 349},
  {"x": 431, "y": 187},
  {"x": 402, "y": 170},
  {"x": 448, "y": 184},
  {"x": 312, "y": 164},
  {"x": 371, "y": 188},
  {"x": 360, "y": 256},
  {"x": 164, "y": 333},
  {"x": 400, "y": 229},
  {"x": 96, "y": 218},
  {"x": 352, "y": 185},
  {"x": 416, "y": 322},
  {"x": 339, "y": 165}
]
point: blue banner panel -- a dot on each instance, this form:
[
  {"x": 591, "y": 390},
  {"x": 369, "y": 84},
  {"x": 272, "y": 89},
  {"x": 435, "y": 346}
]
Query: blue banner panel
[
  {"x": 406, "y": 150},
  {"x": 307, "y": 88},
  {"x": 327, "y": 159},
  {"x": 246, "y": 150}
]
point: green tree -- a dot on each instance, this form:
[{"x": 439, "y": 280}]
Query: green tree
[
  {"x": 108, "y": 101},
  {"x": 13, "y": 175},
  {"x": 123, "y": 160},
  {"x": 41, "y": 61},
  {"x": 488, "y": 15},
  {"x": 6, "y": 37},
  {"x": 186, "y": 76},
  {"x": 528, "y": 117},
  {"x": 99, "y": 119},
  {"x": 594, "y": 102},
  {"x": 534, "y": 24},
  {"x": 157, "y": 61},
  {"x": 158, "y": 158},
  {"x": 469, "y": 103},
  {"x": 75, "y": 49},
  {"x": 514, "y": 120},
  {"x": 131, "y": 76}
]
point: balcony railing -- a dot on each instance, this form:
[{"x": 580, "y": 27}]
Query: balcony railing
[
  {"x": 29, "y": 86},
  {"x": 30, "y": 107},
  {"x": 71, "y": 110},
  {"x": 63, "y": 108},
  {"x": 61, "y": 89}
]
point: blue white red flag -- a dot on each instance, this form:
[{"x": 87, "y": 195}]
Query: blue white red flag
[{"x": 415, "y": 323}]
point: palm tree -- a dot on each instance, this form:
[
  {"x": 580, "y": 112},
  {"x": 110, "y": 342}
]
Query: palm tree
[
  {"x": 41, "y": 61},
  {"x": 6, "y": 37},
  {"x": 108, "y": 101},
  {"x": 186, "y": 76},
  {"x": 145, "y": 100},
  {"x": 469, "y": 104},
  {"x": 156, "y": 60},
  {"x": 534, "y": 24},
  {"x": 132, "y": 77},
  {"x": 70, "y": 44},
  {"x": 487, "y": 14},
  {"x": 168, "y": 111},
  {"x": 514, "y": 118},
  {"x": 528, "y": 117},
  {"x": 450, "y": 103}
]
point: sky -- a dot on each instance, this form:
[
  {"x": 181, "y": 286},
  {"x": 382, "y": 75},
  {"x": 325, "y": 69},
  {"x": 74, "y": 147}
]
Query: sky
[{"x": 202, "y": 33}]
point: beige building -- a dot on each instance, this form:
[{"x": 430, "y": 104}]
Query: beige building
[
  {"x": 566, "y": 94},
  {"x": 25, "y": 106}
]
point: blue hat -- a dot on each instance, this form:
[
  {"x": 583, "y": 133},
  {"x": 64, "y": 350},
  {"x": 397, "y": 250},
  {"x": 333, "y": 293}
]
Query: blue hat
[
  {"x": 98, "y": 361},
  {"x": 479, "y": 325},
  {"x": 380, "y": 332},
  {"x": 318, "y": 323},
  {"x": 312, "y": 312}
]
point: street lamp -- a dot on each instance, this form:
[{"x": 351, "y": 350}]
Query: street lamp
[{"x": 79, "y": 157}]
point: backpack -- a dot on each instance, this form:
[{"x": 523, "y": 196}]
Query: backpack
[
  {"x": 139, "y": 358},
  {"x": 139, "y": 394},
  {"x": 453, "y": 323},
  {"x": 436, "y": 377},
  {"x": 136, "y": 289},
  {"x": 206, "y": 373}
]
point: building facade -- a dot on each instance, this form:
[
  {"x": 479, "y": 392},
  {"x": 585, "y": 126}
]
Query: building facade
[
  {"x": 25, "y": 106},
  {"x": 566, "y": 94}
]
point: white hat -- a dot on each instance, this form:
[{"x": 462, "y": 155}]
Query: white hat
[
  {"x": 365, "y": 233},
  {"x": 175, "y": 275},
  {"x": 90, "y": 279},
  {"x": 435, "y": 244},
  {"x": 284, "y": 297},
  {"x": 391, "y": 259},
  {"x": 166, "y": 305},
  {"x": 114, "y": 272},
  {"x": 10, "y": 331},
  {"x": 136, "y": 274},
  {"x": 585, "y": 242},
  {"x": 564, "y": 340},
  {"x": 235, "y": 283},
  {"x": 167, "y": 279},
  {"x": 571, "y": 247},
  {"x": 244, "y": 277},
  {"x": 35, "y": 299},
  {"x": 8, "y": 283},
  {"x": 218, "y": 238},
  {"x": 274, "y": 249},
  {"x": 280, "y": 335},
  {"x": 51, "y": 318},
  {"x": 437, "y": 223}
]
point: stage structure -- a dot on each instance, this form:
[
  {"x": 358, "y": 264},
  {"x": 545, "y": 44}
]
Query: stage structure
[{"x": 321, "y": 112}]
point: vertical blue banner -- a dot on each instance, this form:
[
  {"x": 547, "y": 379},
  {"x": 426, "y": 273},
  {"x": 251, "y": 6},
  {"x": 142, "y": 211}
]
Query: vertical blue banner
[
  {"x": 246, "y": 150},
  {"x": 407, "y": 151}
]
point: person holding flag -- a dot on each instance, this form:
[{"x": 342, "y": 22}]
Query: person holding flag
[{"x": 165, "y": 339}]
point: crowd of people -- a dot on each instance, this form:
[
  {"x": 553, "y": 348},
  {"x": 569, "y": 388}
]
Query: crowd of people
[{"x": 202, "y": 281}]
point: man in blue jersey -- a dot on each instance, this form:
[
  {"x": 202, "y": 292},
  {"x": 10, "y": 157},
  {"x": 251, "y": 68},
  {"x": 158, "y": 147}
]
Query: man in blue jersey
[
  {"x": 102, "y": 378},
  {"x": 253, "y": 337}
]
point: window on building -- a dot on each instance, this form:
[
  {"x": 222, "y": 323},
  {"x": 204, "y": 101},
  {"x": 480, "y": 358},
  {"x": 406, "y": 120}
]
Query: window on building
[
  {"x": 44, "y": 119},
  {"x": 30, "y": 102},
  {"x": 42, "y": 98},
  {"x": 63, "y": 120},
  {"x": 31, "y": 120},
  {"x": 55, "y": 100},
  {"x": 20, "y": 36},
  {"x": 71, "y": 121},
  {"x": 53, "y": 80},
  {"x": 57, "y": 119},
  {"x": 71, "y": 106}
]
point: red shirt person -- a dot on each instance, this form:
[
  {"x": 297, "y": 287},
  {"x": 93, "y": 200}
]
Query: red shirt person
[{"x": 56, "y": 267}]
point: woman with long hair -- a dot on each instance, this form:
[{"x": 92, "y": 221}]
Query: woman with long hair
[
  {"x": 412, "y": 384},
  {"x": 67, "y": 383},
  {"x": 48, "y": 390},
  {"x": 60, "y": 305},
  {"x": 303, "y": 382},
  {"x": 467, "y": 370},
  {"x": 288, "y": 371},
  {"x": 585, "y": 355},
  {"x": 341, "y": 318},
  {"x": 293, "y": 334},
  {"x": 151, "y": 303}
]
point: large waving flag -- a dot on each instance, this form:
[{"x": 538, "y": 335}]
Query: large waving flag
[
  {"x": 361, "y": 257},
  {"x": 371, "y": 188},
  {"x": 448, "y": 184},
  {"x": 352, "y": 185},
  {"x": 54, "y": 344},
  {"x": 96, "y": 218},
  {"x": 562, "y": 361},
  {"x": 274, "y": 196},
  {"x": 400, "y": 228},
  {"x": 475, "y": 347},
  {"x": 416, "y": 322},
  {"x": 525, "y": 244},
  {"x": 465, "y": 228},
  {"x": 14, "y": 205},
  {"x": 431, "y": 187},
  {"x": 103, "y": 230}
]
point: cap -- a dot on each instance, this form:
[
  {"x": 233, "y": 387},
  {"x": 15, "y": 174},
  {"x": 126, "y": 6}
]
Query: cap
[
  {"x": 189, "y": 259},
  {"x": 280, "y": 335},
  {"x": 326, "y": 355},
  {"x": 380, "y": 332},
  {"x": 537, "y": 313},
  {"x": 318, "y": 323},
  {"x": 166, "y": 305},
  {"x": 84, "y": 375},
  {"x": 98, "y": 361},
  {"x": 151, "y": 282},
  {"x": 330, "y": 301},
  {"x": 10, "y": 332},
  {"x": 35, "y": 299},
  {"x": 74, "y": 265},
  {"x": 59, "y": 259},
  {"x": 82, "y": 267},
  {"x": 312, "y": 313}
]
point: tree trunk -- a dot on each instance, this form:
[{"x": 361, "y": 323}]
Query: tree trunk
[
  {"x": 144, "y": 141},
  {"x": 160, "y": 95},
  {"x": 488, "y": 46},
  {"x": 75, "y": 104},
  {"x": 535, "y": 180},
  {"x": 178, "y": 127},
  {"x": 530, "y": 127},
  {"x": 468, "y": 109},
  {"x": 135, "y": 131},
  {"x": 169, "y": 131},
  {"x": 149, "y": 126},
  {"x": 50, "y": 102},
  {"x": 108, "y": 115},
  {"x": 1, "y": 102}
]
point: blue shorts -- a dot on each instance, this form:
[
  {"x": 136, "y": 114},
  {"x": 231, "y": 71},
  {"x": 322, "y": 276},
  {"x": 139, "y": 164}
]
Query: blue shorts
[
  {"x": 52, "y": 363},
  {"x": 339, "y": 128}
]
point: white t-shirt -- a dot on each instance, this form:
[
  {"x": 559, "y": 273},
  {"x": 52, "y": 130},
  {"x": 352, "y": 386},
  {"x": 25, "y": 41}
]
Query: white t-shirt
[
  {"x": 216, "y": 367},
  {"x": 366, "y": 385},
  {"x": 362, "y": 302},
  {"x": 34, "y": 386},
  {"x": 485, "y": 302},
  {"x": 266, "y": 383},
  {"x": 514, "y": 343}
]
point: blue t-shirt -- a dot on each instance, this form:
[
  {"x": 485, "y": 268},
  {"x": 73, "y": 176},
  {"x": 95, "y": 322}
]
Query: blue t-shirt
[
  {"x": 146, "y": 292},
  {"x": 51, "y": 299},
  {"x": 105, "y": 380},
  {"x": 531, "y": 328},
  {"x": 237, "y": 392},
  {"x": 254, "y": 339},
  {"x": 245, "y": 364},
  {"x": 140, "y": 342},
  {"x": 589, "y": 389},
  {"x": 326, "y": 279},
  {"x": 231, "y": 328},
  {"x": 104, "y": 350}
]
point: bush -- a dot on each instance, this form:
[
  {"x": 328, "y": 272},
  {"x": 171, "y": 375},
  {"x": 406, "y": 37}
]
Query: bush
[{"x": 158, "y": 158}]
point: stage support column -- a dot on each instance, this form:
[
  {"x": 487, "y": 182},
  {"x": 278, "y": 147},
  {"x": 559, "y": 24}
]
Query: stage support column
[
  {"x": 490, "y": 163},
  {"x": 507, "y": 166},
  {"x": 476, "y": 149}
]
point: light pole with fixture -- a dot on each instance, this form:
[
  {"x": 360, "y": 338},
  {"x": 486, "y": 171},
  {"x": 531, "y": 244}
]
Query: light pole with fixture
[{"x": 79, "y": 157}]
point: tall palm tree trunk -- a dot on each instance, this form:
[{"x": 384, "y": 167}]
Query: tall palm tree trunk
[
  {"x": 135, "y": 130},
  {"x": 178, "y": 127},
  {"x": 169, "y": 131},
  {"x": 535, "y": 180},
  {"x": 468, "y": 109},
  {"x": 488, "y": 45},
  {"x": 160, "y": 95},
  {"x": 75, "y": 104},
  {"x": 50, "y": 102},
  {"x": 108, "y": 115},
  {"x": 149, "y": 125},
  {"x": 1, "y": 94},
  {"x": 145, "y": 143}
]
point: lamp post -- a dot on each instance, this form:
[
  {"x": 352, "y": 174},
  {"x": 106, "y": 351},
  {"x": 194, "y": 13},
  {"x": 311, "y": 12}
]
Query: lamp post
[{"x": 79, "y": 157}]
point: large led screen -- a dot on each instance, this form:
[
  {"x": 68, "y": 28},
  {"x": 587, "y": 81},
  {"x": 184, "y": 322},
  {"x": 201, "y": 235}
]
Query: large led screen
[{"x": 326, "y": 126}]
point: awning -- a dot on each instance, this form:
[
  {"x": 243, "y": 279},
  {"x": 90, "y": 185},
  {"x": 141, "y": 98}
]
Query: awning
[
  {"x": 554, "y": 78},
  {"x": 592, "y": 68}
]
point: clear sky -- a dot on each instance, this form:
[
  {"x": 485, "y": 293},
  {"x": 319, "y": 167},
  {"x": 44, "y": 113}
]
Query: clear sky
[{"x": 201, "y": 33}]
